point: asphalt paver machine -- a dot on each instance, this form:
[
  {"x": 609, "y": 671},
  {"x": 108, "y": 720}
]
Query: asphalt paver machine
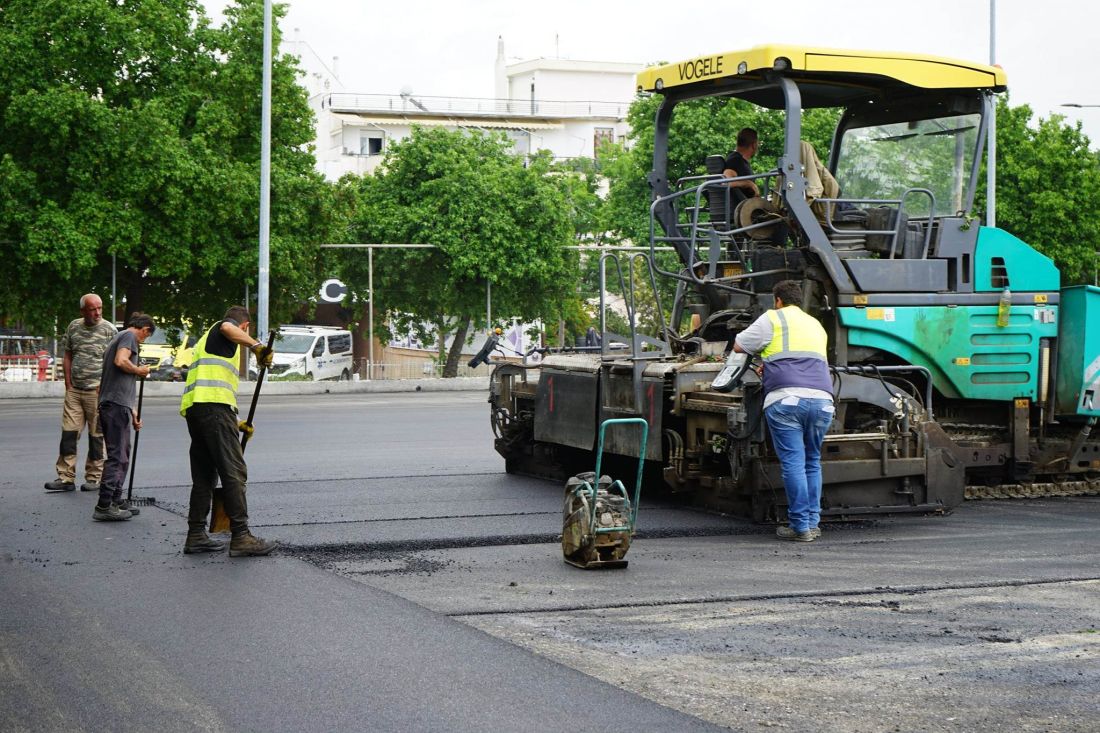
[{"x": 961, "y": 367}]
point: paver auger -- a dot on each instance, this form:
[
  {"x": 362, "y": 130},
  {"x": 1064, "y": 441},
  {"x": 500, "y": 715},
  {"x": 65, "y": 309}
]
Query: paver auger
[{"x": 961, "y": 367}]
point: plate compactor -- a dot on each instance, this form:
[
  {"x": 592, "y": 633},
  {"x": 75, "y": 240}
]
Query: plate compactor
[{"x": 599, "y": 515}]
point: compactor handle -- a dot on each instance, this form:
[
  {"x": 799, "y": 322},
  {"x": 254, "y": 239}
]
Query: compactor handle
[{"x": 482, "y": 356}]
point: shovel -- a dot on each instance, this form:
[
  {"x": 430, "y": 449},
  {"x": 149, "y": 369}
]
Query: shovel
[{"x": 219, "y": 520}]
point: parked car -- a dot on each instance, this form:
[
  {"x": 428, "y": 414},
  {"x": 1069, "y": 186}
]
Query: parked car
[
  {"x": 168, "y": 353},
  {"x": 311, "y": 352}
]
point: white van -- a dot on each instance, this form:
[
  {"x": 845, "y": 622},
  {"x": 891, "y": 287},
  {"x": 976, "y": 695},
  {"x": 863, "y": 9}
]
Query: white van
[{"x": 313, "y": 352}]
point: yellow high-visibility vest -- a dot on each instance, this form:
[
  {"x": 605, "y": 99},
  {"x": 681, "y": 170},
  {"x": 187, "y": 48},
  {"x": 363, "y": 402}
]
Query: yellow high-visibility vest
[
  {"x": 211, "y": 378},
  {"x": 795, "y": 335}
]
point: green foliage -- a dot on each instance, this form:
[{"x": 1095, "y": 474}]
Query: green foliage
[
  {"x": 492, "y": 218},
  {"x": 1048, "y": 189},
  {"x": 132, "y": 129}
]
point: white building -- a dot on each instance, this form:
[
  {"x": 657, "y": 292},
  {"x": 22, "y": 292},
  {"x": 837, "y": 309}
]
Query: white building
[{"x": 567, "y": 107}]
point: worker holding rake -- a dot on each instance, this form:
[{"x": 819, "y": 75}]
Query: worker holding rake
[{"x": 210, "y": 407}]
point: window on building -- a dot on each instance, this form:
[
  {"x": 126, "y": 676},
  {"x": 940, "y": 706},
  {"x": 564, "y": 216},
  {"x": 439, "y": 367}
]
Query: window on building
[
  {"x": 601, "y": 135},
  {"x": 370, "y": 144}
]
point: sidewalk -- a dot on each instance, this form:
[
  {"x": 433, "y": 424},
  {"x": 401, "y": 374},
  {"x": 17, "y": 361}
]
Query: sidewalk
[{"x": 29, "y": 390}]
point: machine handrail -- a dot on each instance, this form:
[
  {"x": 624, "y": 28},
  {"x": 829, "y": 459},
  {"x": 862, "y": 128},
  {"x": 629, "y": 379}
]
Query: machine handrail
[
  {"x": 896, "y": 231},
  {"x": 694, "y": 229}
]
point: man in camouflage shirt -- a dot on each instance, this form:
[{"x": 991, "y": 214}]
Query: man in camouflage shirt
[{"x": 83, "y": 344}]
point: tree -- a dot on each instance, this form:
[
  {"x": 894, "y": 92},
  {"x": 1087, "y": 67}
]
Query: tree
[
  {"x": 1048, "y": 188},
  {"x": 493, "y": 220},
  {"x": 132, "y": 129}
]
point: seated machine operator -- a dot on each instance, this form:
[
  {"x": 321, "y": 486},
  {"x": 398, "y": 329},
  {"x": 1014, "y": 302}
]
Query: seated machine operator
[{"x": 738, "y": 163}]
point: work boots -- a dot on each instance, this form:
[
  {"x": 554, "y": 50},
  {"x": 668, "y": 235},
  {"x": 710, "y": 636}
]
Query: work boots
[
  {"x": 110, "y": 513},
  {"x": 199, "y": 541},
  {"x": 786, "y": 533},
  {"x": 245, "y": 543}
]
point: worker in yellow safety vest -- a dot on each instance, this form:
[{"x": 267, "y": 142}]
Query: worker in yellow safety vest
[
  {"x": 210, "y": 407},
  {"x": 798, "y": 401}
]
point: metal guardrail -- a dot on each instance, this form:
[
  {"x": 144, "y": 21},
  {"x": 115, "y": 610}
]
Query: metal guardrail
[
  {"x": 412, "y": 370},
  {"x": 28, "y": 369},
  {"x": 420, "y": 106}
]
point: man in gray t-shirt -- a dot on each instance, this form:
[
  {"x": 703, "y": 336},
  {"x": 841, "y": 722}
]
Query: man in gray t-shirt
[
  {"x": 115, "y": 384},
  {"x": 121, "y": 367}
]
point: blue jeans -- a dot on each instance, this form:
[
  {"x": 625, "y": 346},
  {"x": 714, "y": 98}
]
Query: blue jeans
[{"x": 797, "y": 432}]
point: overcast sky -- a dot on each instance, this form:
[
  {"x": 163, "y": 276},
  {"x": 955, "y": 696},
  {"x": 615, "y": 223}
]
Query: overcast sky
[{"x": 447, "y": 47}]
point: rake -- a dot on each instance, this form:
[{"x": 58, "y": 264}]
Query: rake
[{"x": 141, "y": 500}]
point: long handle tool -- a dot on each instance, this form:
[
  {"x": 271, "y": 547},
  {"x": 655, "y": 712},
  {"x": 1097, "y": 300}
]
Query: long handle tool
[
  {"x": 141, "y": 501},
  {"x": 219, "y": 520}
]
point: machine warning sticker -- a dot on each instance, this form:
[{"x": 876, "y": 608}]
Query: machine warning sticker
[
  {"x": 1040, "y": 298},
  {"x": 880, "y": 314},
  {"x": 962, "y": 361},
  {"x": 1043, "y": 314}
]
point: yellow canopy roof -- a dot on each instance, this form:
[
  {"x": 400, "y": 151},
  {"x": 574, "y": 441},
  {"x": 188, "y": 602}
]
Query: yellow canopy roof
[{"x": 827, "y": 77}]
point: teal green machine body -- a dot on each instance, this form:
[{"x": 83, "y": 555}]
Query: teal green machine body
[{"x": 1078, "y": 385}]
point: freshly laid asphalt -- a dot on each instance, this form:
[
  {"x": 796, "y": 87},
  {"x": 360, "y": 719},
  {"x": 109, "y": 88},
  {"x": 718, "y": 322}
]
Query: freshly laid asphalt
[
  {"x": 421, "y": 588},
  {"x": 108, "y": 626}
]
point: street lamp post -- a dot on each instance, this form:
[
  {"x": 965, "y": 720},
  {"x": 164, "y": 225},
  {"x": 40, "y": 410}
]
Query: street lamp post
[
  {"x": 262, "y": 294},
  {"x": 991, "y": 153}
]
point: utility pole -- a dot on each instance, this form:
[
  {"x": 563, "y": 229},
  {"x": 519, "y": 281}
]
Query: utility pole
[
  {"x": 265, "y": 183},
  {"x": 991, "y": 154}
]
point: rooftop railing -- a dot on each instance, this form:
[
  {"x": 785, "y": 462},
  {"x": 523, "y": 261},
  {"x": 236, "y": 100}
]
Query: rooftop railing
[{"x": 416, "y": 105}]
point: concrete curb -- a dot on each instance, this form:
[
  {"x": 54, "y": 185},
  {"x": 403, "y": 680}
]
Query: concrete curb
[{"x": 56, "y": 390}]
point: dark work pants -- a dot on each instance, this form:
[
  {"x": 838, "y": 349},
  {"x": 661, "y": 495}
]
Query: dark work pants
[
  {"x": 114, "y": 423},
  {"x": 216, "y": 453}
]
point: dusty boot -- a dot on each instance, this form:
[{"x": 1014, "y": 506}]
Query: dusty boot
[
  {"x": 109, "y": 513},
  {"x": 199, "y": 541},
  {"x": 244, "y": 544}
]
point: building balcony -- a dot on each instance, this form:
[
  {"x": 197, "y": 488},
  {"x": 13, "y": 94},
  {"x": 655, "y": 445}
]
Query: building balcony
[{"x": 417, "y": 106}]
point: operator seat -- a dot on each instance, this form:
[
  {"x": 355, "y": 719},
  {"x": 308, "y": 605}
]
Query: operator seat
[{"x": 721, "y": 200}]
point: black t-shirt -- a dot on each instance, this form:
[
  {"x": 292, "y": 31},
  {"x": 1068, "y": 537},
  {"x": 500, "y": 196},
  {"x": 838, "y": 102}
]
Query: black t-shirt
[
  {"x": 216, "y": 342},
  {"x": 737, "y": 163}
]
